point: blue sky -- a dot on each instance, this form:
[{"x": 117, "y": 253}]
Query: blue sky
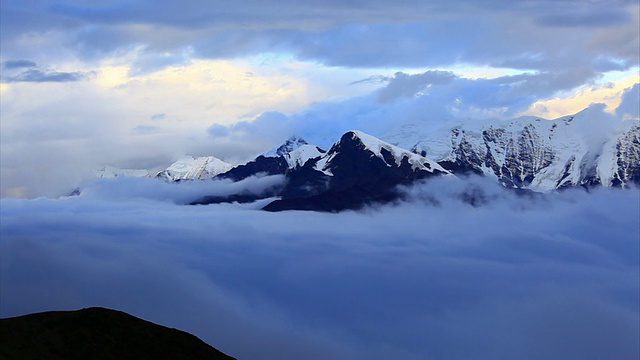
[{"x": 141, "y": 83}]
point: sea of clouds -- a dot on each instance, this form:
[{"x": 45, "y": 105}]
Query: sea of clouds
[{"x": 507, "y": 275}]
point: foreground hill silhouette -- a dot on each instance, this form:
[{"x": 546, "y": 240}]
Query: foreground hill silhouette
[{"x": 97, "y": 333}]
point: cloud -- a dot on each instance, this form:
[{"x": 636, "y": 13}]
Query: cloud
[
  {"x": 140, "y": 188},
  {"x": 434, "y": 277},
  {"x": 630, "y": 104},
  {"x": 145, "y": 129},
  {"x": 106, "y": 120},
  {"x": 405, "y": 85},
  {"x": 426, "y": 99},
  {"x": 36, "y": 75},
  {"x": 18, "y": 64},
  {"x": 600, "y": 15},
  {"x": 353, "y": 34}
]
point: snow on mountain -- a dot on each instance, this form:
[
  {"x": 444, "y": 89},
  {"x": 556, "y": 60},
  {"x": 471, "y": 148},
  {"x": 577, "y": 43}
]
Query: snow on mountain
[
  {"x": 108, "y": 172},
  {"x": 290, "y": 145},
  {"x": 298, "y": 157},
  {"x": 533, "y": 153},
  {"x": 359, "y": 169},
  {"x": 294, "y": 153},
  {"x": 390, "y": 154},
  {"x": 376, "y": 146},
  {"x": 194, "y": 168}
]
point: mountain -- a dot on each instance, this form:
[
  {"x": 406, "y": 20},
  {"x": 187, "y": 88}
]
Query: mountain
[
  {"x": 358, "y": 169},
  {"x": 108, "y": 172},
  {"x": 287, "y": 147},
  {"x": 194, "y": 168},
  {"x": 97, "y": 333},
  {"x": 293, "y": 153},
  {"x": 532, "y": 153},
  {"x": 528, "y": 154}
]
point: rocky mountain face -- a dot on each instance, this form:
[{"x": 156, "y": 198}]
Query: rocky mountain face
[
  {"x": 627, "y": 158},
  {"x": 279, "y": 160},
  {"x": 536, "y": 154},
  {"x": 529, "y": 154},
  {"x": 357, "y": 170},
  {"x": 526, "y": 154}
]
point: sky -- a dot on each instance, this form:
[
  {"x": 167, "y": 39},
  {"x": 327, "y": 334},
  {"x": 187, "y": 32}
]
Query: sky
[
  {"x": 139, "y": 84},
  {"x": 553, "y": 276}
]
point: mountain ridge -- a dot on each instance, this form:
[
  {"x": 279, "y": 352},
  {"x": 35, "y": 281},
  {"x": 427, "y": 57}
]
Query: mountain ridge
[{"x": 527, "y": 153}]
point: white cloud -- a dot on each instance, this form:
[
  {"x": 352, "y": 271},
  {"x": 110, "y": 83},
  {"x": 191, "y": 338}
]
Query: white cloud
[
  {"x": 630, "y": 103},
  {"x": 432, "y": 278},
  {"x": 115, "y": 118}
]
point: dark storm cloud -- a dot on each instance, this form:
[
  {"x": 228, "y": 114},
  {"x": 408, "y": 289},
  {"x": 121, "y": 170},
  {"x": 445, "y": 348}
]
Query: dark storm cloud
[
  {"x": 36, "y": 75},
  {"x": 551, "y": 276}
]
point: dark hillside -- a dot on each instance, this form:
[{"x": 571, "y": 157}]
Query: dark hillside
[{"x": 97, "y": 333}]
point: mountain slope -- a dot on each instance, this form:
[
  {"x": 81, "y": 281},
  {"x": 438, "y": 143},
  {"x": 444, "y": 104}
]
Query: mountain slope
[
  {"x": 533, "y": 153},
  {"x": 293, "y": 153},
  {"x": 97, "y": 333},
  {"x": 357, "y": 170},
  {"x": 194, "y": 168}
]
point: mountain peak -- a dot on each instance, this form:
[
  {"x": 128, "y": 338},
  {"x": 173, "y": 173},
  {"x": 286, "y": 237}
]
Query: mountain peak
[
  {"x": 287, "y": 147},
  {"x": 194, "y": 168},
  {"x": 392, "y": 155}
]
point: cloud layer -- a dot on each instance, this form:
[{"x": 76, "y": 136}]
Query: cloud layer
[
  {"x": 551, "y": 276},
  {"x": 534, "y": 34}
]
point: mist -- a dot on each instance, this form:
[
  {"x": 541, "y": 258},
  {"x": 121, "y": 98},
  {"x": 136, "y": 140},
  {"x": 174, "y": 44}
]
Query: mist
[{"x": 462, "y": 269}]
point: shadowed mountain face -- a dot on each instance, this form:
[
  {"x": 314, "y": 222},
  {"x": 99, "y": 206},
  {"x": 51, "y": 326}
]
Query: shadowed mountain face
[
  {"x": 524, "y": 155},
  {"x": 358, "y": 170},
  {"x": 97, "y": 333}
]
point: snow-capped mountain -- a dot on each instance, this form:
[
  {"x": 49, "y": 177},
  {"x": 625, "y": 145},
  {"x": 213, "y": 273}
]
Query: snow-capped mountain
[
  {"x": 525, "y": 153},
  {"x": 108, "y": 172},
  {"x": 194, "y": 168},
  {"x": 392, "y": 156},
  {"x": 296, "y": 151},
  {"x": 293, "y": 153},
  {"x": 287, "y": 147},
  {"x": 533, "y": 153},
  {"x": 298, "y": 157},
  {"x": 358, "y": 169}
]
